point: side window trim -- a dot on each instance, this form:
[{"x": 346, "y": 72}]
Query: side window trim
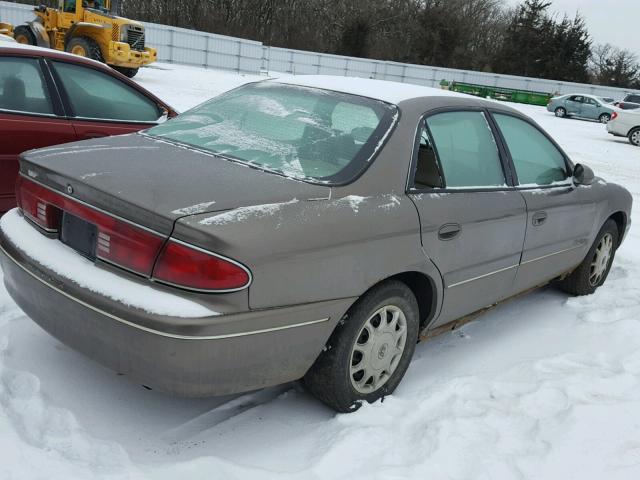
[
  {"x": 71, "y": 114},
  {"x": 505, "y": 161},
  {"x": 516, "y": 183},
  {"x": 50, "y": 90}
]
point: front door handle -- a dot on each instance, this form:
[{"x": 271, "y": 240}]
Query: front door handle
[
  {"x": 449, "y": 231},
  {"x": 539, "y": 218}
]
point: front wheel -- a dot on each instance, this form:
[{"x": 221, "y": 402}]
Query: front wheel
[
  {"x": 634, "y": 137},
  {"x": 22, "y": 34},
  {"x": 370, "y": 350},
  {"x": 604, "y": 118},
  {"x": 127, "y": 72},
  {"x": 594, "y": 269},
  {"x": 560, "y": 112}
]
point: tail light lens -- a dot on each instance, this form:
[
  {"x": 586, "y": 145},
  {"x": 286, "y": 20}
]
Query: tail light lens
[
  {"x": 614, "y": 115},
  {"x": 119, "y": 242},
  {"x": 188, "y": 267}
]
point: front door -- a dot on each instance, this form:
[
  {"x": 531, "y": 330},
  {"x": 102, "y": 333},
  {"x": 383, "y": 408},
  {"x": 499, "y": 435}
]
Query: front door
[
  {"x": 27, "y": 120},
  {"x": 590, "y": 109},
  {"x": 473, "y": 224},
  {"x": 560, "y": 216},
  {"x": 101, "y": 105}
]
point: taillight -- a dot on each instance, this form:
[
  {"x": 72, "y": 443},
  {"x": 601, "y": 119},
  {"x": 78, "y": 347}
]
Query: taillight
[
  {"x": 119, "y": 242},
  {"x": 42, "y": 213},
  {"x": 614, "y": 115},
  {"x": 188, "y": 267}
]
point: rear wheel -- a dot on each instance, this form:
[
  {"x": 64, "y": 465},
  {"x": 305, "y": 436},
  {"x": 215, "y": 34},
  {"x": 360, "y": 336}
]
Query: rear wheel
[
  {"x": 24, "y": 35},
  {"x": 85, "y": 47},
  {"x": 560, "y": 112},
  {"x": 127, "y": 72},
  {"x": 594, "y": 269},
  {"x": 604, "y": 118},
  {"x": 634, "y": 137},
  {"x": 369, "y": 351}
]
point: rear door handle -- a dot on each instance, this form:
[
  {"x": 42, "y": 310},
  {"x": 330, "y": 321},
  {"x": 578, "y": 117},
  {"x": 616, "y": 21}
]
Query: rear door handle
[
  {"x": 449, "y": 231},
  {"x": 539, "y": 218}
]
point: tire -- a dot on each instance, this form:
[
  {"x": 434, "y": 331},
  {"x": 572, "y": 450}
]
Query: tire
[
  {"x": 604, "y": 118},
  {"x": 127, "y": 72},
  {"x": 590, "y": 275},
  {"x": 332, "y": 380},
  {"x": 634, "y": 137},
  {"x": 560, "y": 112},
  {"x": 85, "y": 47},
  {"x": 23, "y": 34}
]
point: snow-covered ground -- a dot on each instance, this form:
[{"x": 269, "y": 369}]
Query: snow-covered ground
[{"x": 544, "y": 387}]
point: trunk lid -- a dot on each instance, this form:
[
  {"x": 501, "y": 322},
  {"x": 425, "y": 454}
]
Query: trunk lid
[{"x": 152, "y": 183}]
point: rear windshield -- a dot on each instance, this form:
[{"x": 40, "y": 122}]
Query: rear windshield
[{"x": 305, "y": 133}]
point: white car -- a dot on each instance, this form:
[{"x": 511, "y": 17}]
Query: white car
[{"x": 625, "y": 123}]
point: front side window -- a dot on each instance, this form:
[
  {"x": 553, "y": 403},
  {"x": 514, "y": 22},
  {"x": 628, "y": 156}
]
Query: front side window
[
  {"x": 22, "y": 86},
  {"x": 591, "y": 101},
  {"x": 457, "y": 149},
  {"x": 305, "y": 133},
  {"x": 96, "y": 95},
  {"x": 536, "y": 159}
]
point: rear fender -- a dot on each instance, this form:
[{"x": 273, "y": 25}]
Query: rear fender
[{"x": 85, "y": 29}]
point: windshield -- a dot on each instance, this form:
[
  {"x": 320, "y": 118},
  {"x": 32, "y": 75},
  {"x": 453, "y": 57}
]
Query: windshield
[
  {"x": 606, "y": 99},
  {"x": 305, "y": 133}
]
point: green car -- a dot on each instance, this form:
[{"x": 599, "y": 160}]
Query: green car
[{"x": 582, "y": 106}]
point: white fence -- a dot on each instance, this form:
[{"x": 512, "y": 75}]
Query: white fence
[{"x": 190, "y": 47}]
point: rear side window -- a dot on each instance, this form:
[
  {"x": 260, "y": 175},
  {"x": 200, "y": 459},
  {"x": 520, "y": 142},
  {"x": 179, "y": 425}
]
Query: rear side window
[
  {"x": 466, "y": 152},
  {"x": 22, "y": 86},
  {"x": 96, "y": 95},
  {"x": 536, "y": 159}
]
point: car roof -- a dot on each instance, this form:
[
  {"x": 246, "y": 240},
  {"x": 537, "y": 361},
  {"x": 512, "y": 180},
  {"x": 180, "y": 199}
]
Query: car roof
[
  {"x": 390, "y": 92},
  {"x": 30, "y": 50}
]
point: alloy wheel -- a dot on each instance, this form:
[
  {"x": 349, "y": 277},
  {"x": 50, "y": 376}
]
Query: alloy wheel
[
  {"x": 601, "y": 258},
  {"x": 635, "y": 138},
  {"x": 378, "y": 349}
]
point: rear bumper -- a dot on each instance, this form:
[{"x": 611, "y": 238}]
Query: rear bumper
[
  {"x": 210, "y": 356},
  {"x": 121, "y": 55}
]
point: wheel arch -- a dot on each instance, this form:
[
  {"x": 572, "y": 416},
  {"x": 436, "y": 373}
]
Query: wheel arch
[
  {"x": 423, "y": 288},
  {"x": 85, "y": 29},
  {"x": 620, "y": 218}
]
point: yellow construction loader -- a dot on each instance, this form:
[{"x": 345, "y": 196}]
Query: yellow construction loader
[{"x": 90, "y": 29}]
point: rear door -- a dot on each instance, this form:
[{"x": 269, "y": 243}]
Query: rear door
[
  {"x": 472, "y": 222},
  {"x": 560, "y": 216},
  {"x": 100, "y": 105},
  {"x": 574, "y": 105},
  {"x": 30, "y": 117}
]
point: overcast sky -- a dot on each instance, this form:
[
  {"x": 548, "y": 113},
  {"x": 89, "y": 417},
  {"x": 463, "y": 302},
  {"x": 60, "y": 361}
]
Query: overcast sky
[{"x": 609, "y": 21}]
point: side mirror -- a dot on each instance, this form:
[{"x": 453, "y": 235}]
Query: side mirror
[
  {"x": 583, "y": 175},
  {"x": 164, "y": 114}
]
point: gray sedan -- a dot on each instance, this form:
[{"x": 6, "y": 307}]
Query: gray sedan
[
  {"x": 308, "y": 229},
  {"x": 582, "y": 106}
]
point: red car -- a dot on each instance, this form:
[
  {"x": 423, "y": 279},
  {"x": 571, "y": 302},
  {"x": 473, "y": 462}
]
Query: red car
[{"x": 49, "y": 97}]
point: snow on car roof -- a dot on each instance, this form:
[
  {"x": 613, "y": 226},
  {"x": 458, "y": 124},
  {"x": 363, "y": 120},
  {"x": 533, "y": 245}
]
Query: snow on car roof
[
  {"x": 391, "y": 92},
  {"x": 45, "y": 51}
]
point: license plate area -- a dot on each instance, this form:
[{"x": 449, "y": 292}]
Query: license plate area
[{"x": 79, "y": 235}]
